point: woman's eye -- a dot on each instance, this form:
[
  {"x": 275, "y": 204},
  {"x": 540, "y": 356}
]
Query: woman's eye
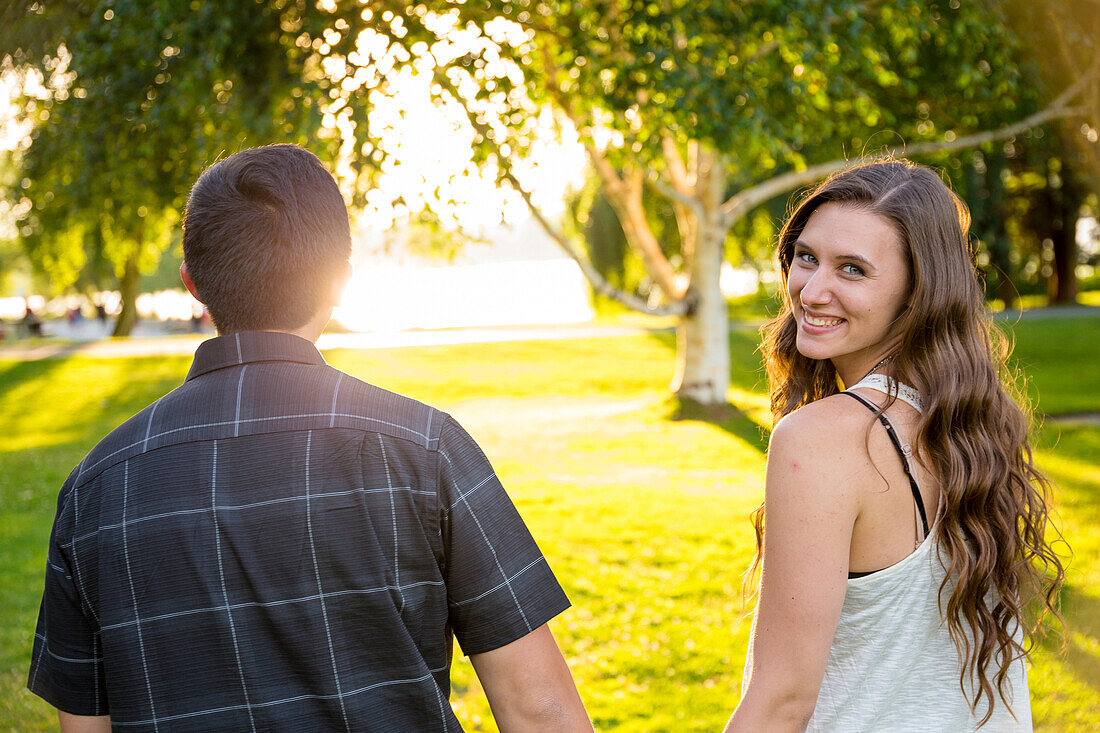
[
  {"x": 806, "y": 257},
  {"x": 853, "y": 270}
]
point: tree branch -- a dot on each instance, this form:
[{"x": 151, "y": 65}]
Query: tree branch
[
  {"x": 681, "y": 191},
  {"x": 599, "y": 283},
  {"x": 673, "y": 194},
  {"x": 626, "y": 200},
  {"x": 744, "y": 201},
  {"x": 676, "y": 168},
  {"x": 624, "y": 193}
]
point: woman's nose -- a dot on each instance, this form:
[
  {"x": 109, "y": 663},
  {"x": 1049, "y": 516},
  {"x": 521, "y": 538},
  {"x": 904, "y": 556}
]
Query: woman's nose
[{"x": 817, "y": 289}]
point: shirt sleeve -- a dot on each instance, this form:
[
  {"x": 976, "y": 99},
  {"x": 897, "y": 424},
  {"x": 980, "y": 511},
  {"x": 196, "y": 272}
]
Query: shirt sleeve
[
  {"x": 66, "y": 660},
  {"x": 499, "y": 585}
]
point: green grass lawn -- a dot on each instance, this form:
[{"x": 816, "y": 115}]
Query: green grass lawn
[{"x": 644, "y": 518}]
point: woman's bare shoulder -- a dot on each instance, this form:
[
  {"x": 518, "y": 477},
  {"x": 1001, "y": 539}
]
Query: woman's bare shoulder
[
  {"x": 836, "y": 421},
  {"x": 823, "y": 444},
  {"x": 817, "y": 462}
]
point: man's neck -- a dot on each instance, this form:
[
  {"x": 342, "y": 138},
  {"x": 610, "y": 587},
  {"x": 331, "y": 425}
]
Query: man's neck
[{"x": 310, "y": 331}]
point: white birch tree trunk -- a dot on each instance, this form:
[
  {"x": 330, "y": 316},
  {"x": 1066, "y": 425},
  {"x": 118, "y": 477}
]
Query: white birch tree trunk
[{"x": 702, "y": 337}]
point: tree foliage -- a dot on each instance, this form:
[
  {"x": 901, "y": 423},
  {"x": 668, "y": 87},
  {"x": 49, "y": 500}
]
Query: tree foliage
[
  {"x": 143, "y": 99},
  {"x": 1047, "y": 47},
  {"x": 707, "y": 109},
  {"x": 160, "y": 88},
  {"x": 771, "y": 87}
]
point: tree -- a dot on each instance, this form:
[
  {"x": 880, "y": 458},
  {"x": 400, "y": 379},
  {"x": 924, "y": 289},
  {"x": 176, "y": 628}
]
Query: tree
[
  {"x": 139, "y": 103},
  {"x": 715, "y": 107},
  {"x": 1070, "y": 158},
  {"x": 718, "y": 107},
  {"x": 1026, "y": 194},
  {"x": 1025, "y": 199}
]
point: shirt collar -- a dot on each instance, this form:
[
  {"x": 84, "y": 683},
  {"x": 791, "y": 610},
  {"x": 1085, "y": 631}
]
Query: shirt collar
[{"x": 245, "y": 347}]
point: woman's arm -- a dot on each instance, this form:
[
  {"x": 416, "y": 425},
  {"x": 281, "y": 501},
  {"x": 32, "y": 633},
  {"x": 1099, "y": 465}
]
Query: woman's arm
[{"x": 811, "y": 502}]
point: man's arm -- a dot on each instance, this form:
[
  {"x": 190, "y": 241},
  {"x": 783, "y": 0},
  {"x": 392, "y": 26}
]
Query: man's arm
[
  {"x": 500, "y": 594},
  {"x": 529, "y": 686},
  {"x": 84, "y": 723},
  {"x": 75, "y": 680}
]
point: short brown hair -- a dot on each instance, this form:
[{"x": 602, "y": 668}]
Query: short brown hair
[{"x": 265, "y": 234}]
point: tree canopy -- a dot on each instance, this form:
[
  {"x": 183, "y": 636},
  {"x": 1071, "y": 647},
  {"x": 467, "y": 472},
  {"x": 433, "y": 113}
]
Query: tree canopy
[
  {"x": 714, "y": 107},
  {"x": 143, "y": 95}
]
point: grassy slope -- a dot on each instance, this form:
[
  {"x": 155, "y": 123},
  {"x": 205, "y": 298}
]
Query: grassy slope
[{"x": 643, "y": 518}]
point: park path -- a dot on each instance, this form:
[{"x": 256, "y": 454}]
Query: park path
[
  {"x": 151, "y": 343},
  {"x": 152, "y": 339}
]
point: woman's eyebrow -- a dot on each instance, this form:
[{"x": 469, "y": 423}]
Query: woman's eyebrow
[
  {"x": 853, "y": 257},
  {"x": 857, "y": 258}
]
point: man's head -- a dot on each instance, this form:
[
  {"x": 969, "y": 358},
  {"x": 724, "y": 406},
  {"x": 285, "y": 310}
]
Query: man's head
[{"x": 266, "y": 239}]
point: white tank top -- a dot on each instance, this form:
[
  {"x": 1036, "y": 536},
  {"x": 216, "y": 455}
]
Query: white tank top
[{"x": 892, "y": 667}]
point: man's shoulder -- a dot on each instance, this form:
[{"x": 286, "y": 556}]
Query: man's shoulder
[
  {"x": 367, "y": 406},
  {"x": 133, "y": 433},
  {"x": 268, "y": 401}
]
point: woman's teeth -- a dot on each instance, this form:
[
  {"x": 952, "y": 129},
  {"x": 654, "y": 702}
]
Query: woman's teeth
[{"x": 822, "y": 322}]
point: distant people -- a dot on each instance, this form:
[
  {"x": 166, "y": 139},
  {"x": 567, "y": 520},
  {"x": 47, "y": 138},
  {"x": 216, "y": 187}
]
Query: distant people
[
  {"x": 198, "y": 316},
  {"x": 31, "y": 322},
  {"x": 101, "y": 313},
  {"x": 904, "y": 536},
  {"x": 276, "y": 545}
]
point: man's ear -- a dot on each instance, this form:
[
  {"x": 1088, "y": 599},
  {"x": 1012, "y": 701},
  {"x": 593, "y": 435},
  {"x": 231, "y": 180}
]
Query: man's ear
[{"x": 190, "y": 285}]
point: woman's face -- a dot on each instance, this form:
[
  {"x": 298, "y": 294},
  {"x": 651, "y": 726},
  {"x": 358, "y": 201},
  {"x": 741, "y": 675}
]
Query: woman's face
[{"x": 848, "y": 282}]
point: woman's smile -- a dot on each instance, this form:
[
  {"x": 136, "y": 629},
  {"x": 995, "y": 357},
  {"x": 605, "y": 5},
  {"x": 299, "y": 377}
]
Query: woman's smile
[{"x": 819, "y": 324}]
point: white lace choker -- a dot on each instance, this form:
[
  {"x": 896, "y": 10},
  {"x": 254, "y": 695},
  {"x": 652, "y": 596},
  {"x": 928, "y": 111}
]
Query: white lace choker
[{"x": 890, "y": 386}]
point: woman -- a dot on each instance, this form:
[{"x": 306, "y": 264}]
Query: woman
[{"x": 907, "y": 529}]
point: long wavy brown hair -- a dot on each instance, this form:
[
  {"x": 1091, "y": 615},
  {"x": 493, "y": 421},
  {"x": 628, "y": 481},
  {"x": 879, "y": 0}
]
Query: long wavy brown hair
[{"x": 994, "y": 535}]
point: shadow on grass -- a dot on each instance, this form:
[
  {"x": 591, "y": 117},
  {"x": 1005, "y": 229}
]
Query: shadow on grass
[
  {"x": 746, "y": 359},
  {"x": 1073, "y": 452},
  {"x": 746, "y": 374},
  {"x": 14, "y": 374},
  {"x": 1069, "y": 456},
  {"x": 78, "y": 400},
  {"x": 726, "y": 417}
]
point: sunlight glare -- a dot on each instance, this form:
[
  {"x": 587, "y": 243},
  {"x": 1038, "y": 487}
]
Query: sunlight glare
[{"x": 386, "y": 298}]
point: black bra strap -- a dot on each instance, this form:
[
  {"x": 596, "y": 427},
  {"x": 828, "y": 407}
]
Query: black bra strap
[{"x": 901, "y": 454}]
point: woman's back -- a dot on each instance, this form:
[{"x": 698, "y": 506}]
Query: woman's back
[
  {"x": 892, "y": 666},
  {"x": 889, "y": 525}
]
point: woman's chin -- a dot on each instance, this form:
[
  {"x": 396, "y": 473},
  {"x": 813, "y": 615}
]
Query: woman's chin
[{"x": 812, "y": 350}]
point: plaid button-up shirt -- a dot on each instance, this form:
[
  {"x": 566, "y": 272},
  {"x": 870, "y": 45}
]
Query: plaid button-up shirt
[{"x": 276, "y": 545}]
